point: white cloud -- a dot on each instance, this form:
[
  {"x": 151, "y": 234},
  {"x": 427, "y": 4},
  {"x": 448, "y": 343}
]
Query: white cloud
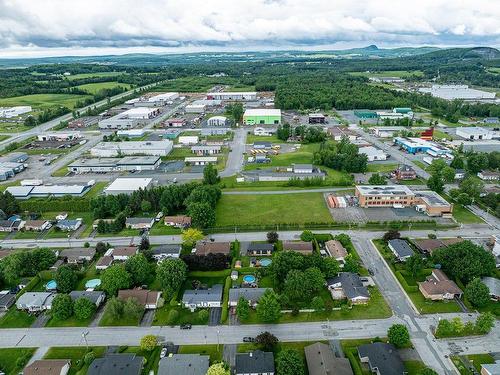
[{"x": 89, "y": 24}]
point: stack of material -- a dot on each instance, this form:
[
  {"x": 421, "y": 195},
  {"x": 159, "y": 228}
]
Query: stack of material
[{"x": 336, "y": 202}]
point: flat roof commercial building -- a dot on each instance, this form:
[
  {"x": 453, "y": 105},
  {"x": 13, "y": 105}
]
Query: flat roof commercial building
[
  {"x": 475, "y": 133},
  {"x": 240, "y": 96},
  {"x": 129, "y": 118},
  {"x": 41, "y": 191},
  {"x": 373, "y": 153},
  {"x": 452, "y": 92},
  {"x": 112, "y": 149},
  {"x": 201, "y": 160},
  {"x": 9, "y": 112},
  {"x": 195, "y": 108},
  {"x": 414, "y": 145},
  {"x": 262, "y": 116},
  {"x": 127, "y": 185},
  {"x": 128, "y": 163}
]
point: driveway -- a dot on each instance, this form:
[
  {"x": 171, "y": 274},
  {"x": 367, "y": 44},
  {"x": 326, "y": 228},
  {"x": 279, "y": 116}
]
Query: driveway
[
  {"x": 41, "y": 320},
  {"x": 147, "y": 318},
  {"x": 214, "y": 316},
  {"x": 229, "y": 355}
]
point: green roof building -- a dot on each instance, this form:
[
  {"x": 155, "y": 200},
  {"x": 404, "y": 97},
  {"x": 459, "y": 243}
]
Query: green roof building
[
  {"x": 365, "y": 114},
  {"x": 402, "y": 110},
  {"x": 262, "y": 116}
]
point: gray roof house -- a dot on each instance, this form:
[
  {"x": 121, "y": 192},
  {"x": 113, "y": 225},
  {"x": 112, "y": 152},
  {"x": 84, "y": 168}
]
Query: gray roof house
[
  {"x": 382, "y": 358},
  {"x": 322, "y": 361},
  {"x": 117, "y": 364},
  {"x": 491, "y": 368},
  {"x": 257, "y": 248},
  {"x": 139, "y": 222},
  {"x": 210, "y": 297},
  {"x": 256, "y": 362},
  {"x": 166, "y": 251},
  {"x": 6, "y": 300},
  {"x": 77, "y": 254},
  {"x": 69, "y": 225},
  {"x": 348, "y": 285},
  {"x": 95, "y": 296},
  {"x": 252, "y": 295},
  {"x": 184, "y": 364},
  {"x": 401, "y": 249},
  {"x": 493, "y": 285},
  {"x": 35, "y": 301}
]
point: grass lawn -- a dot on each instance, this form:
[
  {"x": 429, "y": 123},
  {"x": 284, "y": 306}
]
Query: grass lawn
[
  {"x": 160, "y": 228},
  {"x": 178, "y": 153},
  {"x": 229, "y": 183},
  {"x": 214, "y": 351},
  {"x": 12, "y": 361},
  {"x": 303, "y": 155},
  {"x": 463, "y": 214},
  {"x": 44, "y": 101},
  {"x": 94, "y": 88},
  {"x": 417, "y": 181},
  {"x": 440, "y": 135},
  {"x": 381, "y": 167},
  {"x": 272, "y": 209},
  {"x": 108, "y": 321},
  {"x": 421, "y": 164},
  {"x": 251, "y": 138},
  {"x": 70, "y": 322},
  {"x": 184, "y": 316},
  {"x": 414, "y": 367},
  {"x": 15, "y": 318},
  {"x": 423, "y": 305},
  {"x": 125, "y": 232},
  {"x": 26, "y": 235},
  {"x": 76, "y": 355}
]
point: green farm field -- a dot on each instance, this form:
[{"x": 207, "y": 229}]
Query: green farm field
[
  {"x": 93, "y": 88},
  {"x": 43, "y": 101},
  {"x": 272, "y": 209},
  {"x": 389, "y": 73},
  {"x": 93, "y": 75}
]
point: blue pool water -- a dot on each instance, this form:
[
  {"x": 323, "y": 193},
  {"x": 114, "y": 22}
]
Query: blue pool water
[
  {"x": 265, "y": 262},
  {"x": 51, "y": 285},
  {"x": 94, "y": 283},
  {"x": 249, "y": 278}
]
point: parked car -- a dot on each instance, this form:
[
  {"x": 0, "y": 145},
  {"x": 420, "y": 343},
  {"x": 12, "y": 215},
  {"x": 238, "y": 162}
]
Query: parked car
[
  {"x": 248, "y": 339},
  {"x": 186, "y": 326},
  {"x": 163, "y": 353}
]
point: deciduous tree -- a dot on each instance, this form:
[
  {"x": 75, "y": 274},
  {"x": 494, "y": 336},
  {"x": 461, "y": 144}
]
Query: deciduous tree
[
  {"x": 115, "y": 278},
  {"x": 171, "y": 273},
  {"x": 398, "y": 335},
  {"x": 62, "y": 307}
]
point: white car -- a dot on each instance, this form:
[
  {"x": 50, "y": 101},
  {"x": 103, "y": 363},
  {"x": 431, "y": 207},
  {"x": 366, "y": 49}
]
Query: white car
[{"x": 163, "y": 353}]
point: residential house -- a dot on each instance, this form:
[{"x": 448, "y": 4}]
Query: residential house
[
  {"x": 204, "y": 247},
  {"x": 382, "y": 358},
  {"x": 180, "y": 221},
  {"x": 401, "y": 249},
  {"x": 7, "y": 299},
  {"x": 252, "y": 295},
  {"x": 184, "y": 364},
  {"x": 405, "y": 172},
  {"x": 97, "y": 297},
  {"x": 305, "y": 248},
  {"x": 35, "y": 301},
  {"x": 201, "y": 298},
  {"x": 459, "y": 174},
  {"x": 62, "y": 216},
  {"x": 9, "y": 225},
  {"x": 117, "y": 364},
  {"x": 336, "y": 251},
  {"x": 58, "y": 263},
  {"x": 162, "y": 252},
  {"x": 36, "y": 225},
  {"x": 256, "y": 362},
  {"x": 234, "y": 275},
  {"x": 78, "y": 254},
  {"x": 348, "y": 285},
  {"x": 259, "y": 249},
  {"x": 147, "y": 298},
  {"x": 493, "y": 285},
  {"x": 48, "y": 367},
  {"x": 321, "y": 360},
  {"x": 489, "y": 175},
  {"x": 123, "y": 253},
  {"x": 139, "y": 222},
  {"x": 429, "y": 245},
  {"x": 439, "y": 287},
  {"x": 69, "y": 225},
  {"x": 104, "y": 262},
  {"x": 491, "y": 368}
]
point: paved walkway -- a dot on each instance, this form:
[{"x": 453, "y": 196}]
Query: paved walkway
[{"x": 39, "y": 354}]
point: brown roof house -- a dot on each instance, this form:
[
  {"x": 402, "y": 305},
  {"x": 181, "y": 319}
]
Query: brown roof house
[
  {"x": 147, "y": 298},
  {"x": 123, "y": 253},
  {"x": 305, "y": 248},
  {"x": 337, "y": 251},
  {"x": 180, "y": 221},
  {"x": 36, "y": 225},
  {"x": 322, "y": 361},
  {"x": 48, "y": 367},
  {"x": 77, "y": 254},
  {"x": 438, "y": 287},
  {"x": 104, "y": 262},
  {"x": 204, "y": 247},
  {"x": 429, "y": 245}
]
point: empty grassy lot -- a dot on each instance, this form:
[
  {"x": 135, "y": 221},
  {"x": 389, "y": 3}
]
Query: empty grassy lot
[
  {"x": 381, "y": 168},
  {"x": 272, "y": 209},
  {"x": 12, "y": 361},
  {"x": 43, "y": 101},
  {"x": 303, "y": 155},
  {"x": 93, "y": 88}
]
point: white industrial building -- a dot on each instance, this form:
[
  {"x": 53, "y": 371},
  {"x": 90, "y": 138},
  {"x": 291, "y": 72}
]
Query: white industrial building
[
  {"x": 163, "y": 98},
  {"x": 386, "y": 131},
  {"x": 474, "y": 133},
  {"x": 129, "y": 118},
  {"x": 69, "y": 136},
  {"x": 128, "y": 163},
  {"x": 393, "y": 115},
  {"x": 373, "y": 153},
  {"x": 127, "y": 185},
  {"x": 9, "y": 112},
  {"x": 232, "y": 95},
  {"x": 113, "y": 149},
  {"x": 131, "y": 133},
  {"x": 188, "y": 139},
  {"x": 264, "y": 132},
  {"x": 200, "y": 160},
  {"x": 463, "y": 92},
  {"x": 195, "y": 108},
  {"x": 39, "y": 191},
  {"x": 217, "y": 121}
]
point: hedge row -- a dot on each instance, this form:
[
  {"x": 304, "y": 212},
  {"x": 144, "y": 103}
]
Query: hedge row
[
  {"x": 404, "y": 284},
  {"x": 225, "y": 300}
]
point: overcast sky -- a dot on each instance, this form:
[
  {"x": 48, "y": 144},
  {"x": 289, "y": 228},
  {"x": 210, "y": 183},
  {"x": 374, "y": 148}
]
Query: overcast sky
[{"x": 76, "y": 27}]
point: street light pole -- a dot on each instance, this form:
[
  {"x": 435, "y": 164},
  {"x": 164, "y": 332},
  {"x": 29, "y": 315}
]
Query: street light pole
[{"x": 84, "y": 336}]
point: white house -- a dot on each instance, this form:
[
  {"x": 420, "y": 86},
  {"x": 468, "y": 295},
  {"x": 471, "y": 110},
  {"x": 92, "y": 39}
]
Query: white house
[
  {"x": 188, "y": 139},
  {"x": 201, "y": 298},
  {"x": 217, "y": 121}
]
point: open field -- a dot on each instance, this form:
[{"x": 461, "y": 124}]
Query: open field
[
  {"x": 463, "y": 214},
  {"x": 93, "y": 88},
  {"x": 92, "y": 75},
  {"x": 272, "y": 209},
  {"x": 389, "y": 73},
  {"x": 381, "y": 168},
  {"x": 303, "y": 155},
  {"x": 43, "y": 101}
]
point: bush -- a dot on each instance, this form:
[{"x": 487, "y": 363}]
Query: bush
[
  {"x": 173, "y": 315},
  {"x": 398, "y": 335},
  {"x": 202, "y": 316},
  {"x": 89, "y": 358},
  {"x": 148, "y": 342},
  {"x": 404, "y": 284},
  {"x": 307, "y": 236}
]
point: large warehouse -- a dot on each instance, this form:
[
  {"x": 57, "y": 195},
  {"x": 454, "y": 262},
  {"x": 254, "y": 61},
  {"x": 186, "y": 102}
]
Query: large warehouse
[
  {"x": 41, "y": 191},
  {"x": 9, "y": 112},
  {"x": 231, "y": 96},
  {"x": 128, "y": 163},
  {"x": 129, "y": 118},
  {"x": 452, "y": 92},
  {"x": 474, "y": 133},
  {"x": 127, "y": 185},
  {"x": 262, "y": 116},
  {"x": 113, "y": 149},
  {"x": 414, "y": 145}
]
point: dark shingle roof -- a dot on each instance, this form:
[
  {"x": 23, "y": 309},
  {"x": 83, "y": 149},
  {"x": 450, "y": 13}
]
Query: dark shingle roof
[
  {"x": 254, "y": 362},
  {"x": 351, "y": 285},
  {"x": 184, "y": 364},
  {"x": 117, "y": 364},
  {"x": 401, "y": 247},
  {"x": 322, "y": 361},
  {"x": 383, "y": 357}
]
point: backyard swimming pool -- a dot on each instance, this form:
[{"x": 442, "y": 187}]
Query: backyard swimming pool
[
  {"x": 94, "y": 283},
  {"x": 249, "y": 279},
  {"x": 265, "y": 262},
  {"x": 51, "y": 285}
]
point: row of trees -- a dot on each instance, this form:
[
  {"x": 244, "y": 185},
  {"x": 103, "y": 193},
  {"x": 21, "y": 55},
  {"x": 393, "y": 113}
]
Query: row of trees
[
  {"x": 21, "y": 264},
  {"x": 63, "y": 307},
  {"x": 456, "y": 327}
]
